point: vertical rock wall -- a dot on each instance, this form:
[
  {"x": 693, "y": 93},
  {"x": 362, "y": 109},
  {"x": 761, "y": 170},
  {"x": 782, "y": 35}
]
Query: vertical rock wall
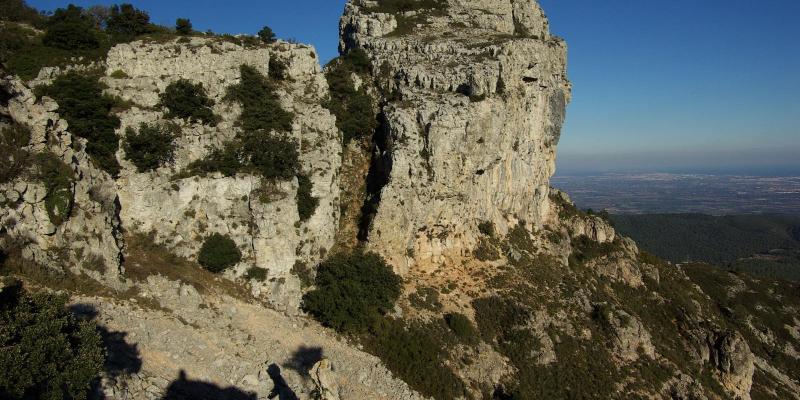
[{"x": 477, "y": 93}]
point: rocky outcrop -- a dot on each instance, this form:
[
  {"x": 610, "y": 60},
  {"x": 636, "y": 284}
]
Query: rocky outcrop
[
  {"x": 732, "y": 356},
  {"x": 471, "y": 129},
  {"x": 321, "y": 374},
  {"x": 88, "y": 237},
  {"x": 261, "y": 216}
]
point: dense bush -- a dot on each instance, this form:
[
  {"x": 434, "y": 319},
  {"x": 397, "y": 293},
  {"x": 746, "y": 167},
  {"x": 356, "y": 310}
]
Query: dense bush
[
  {"x": 71, "y": 29},
  {"x": 354, "y": 109},
  {"x": 278, "y": 70},
  {"x": 219, "y": 253},
  {"x": 353, "y": 291},
  {"x": 272, "y": 156},
  {"x": 187, "y": 100},
  {"x": 14, "y": 158},
  {"x": 150, "y": 147},
  {"x": 88, "y": 111},
  {"x": 306, "y": 203},
  {"x": 183, "y": 26},
  {"x": 461, "y": 326},
  {"x": 226, "y": 160},
  {"x": 416, "y": 354},
  {"x": 261, "y": 107},
  {"x": 46, "y": 352},
  {"x": 402, "y": 6},
  {"x": 58, "y": 179},
  {"x": 125, "y": 22},
  {"x": 256, "y": 273},
  {"x": 267, "y": 35}
]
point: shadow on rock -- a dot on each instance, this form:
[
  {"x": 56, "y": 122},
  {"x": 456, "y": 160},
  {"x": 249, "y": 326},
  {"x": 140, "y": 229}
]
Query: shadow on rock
[
  {"x": 281, "y": 390},
  {"x": 303, "y": 359},
  {"x": 186, "y": 389}
]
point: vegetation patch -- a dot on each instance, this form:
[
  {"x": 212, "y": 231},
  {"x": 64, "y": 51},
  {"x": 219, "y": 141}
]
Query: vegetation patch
[
  {"x": 461, "y": 326},
  {"x": 58, "y": 179},
  {"x": 88, "y": 111},
  {"x": 219, "y": 253},
  {"x": 353, "y": 290},
  {"x": 261, "y": 107},
  {"x": 47, "y": 352},
  {"x": 150, "y": 147},
  {"x": 306, "y": 202},
  {"x": 187, "y": 100},
  {"x": 256, "y": 274},
  {"x": 354, "y": 109}
]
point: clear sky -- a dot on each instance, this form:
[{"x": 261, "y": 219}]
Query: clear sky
[{"x": 684, "y": 82}]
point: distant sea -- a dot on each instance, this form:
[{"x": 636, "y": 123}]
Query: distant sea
[{"x": 725, "y": 193}]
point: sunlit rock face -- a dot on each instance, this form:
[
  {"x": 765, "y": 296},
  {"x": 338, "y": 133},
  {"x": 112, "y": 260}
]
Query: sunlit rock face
[{"x": 477, "y": 94}]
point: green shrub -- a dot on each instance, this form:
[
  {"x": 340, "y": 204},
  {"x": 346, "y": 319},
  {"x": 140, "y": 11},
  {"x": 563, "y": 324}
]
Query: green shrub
[
  {"x": 402, "y": 6},
  {"x": 278, "y": 70},
  {"x": 47, "y": 353},
  {"x": 354, "y": 109},
  {"x": 219, "y": 253},
  {"x": 15, "y": 159},
  {"x": 267, "y": 35},
  {"x": 119, "y": 74},
  {"x": 125, "y": 22},
  {"x": 70, "y": 29},
  {"x": 353, "y": 291},
  {"x": 304, "y": 273},
  {"x": 256, "y": 273},
  {"x": 416, "y": 354},
  {"x": 486, "y": 228},
  {"x": 425, "y": 298},
  {"x": 486, "y": 251},
  {"x": 272, "y": 156},
  {"x": 261, "y": 107},
  {"x": 150, "y": 147},
  {"x": 183, "y": 26},
  {"x": 227, "y": 160},
  {"x": 184, "y": 99},
  {"x": 496, "y": 316},
  {"x": 461, "y": 326},
  {"x": 88, "y": 111},
  {"x": 58, "y": 179},
  {"x": 306, "y": 203}
]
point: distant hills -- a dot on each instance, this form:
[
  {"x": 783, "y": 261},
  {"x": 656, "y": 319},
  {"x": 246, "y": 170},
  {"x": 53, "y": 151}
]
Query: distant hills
[{"x": 766, "y": 245}]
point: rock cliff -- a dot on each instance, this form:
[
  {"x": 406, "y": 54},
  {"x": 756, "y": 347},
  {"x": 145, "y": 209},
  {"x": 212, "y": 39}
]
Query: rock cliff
[{"x": 469, "y": 133}]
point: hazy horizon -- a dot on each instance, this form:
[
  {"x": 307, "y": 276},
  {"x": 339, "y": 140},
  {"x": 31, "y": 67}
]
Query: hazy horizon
[{"x": 657, "y": 85}]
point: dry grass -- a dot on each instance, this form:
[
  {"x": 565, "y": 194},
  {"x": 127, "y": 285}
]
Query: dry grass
[{"x": 144, "y": 258}]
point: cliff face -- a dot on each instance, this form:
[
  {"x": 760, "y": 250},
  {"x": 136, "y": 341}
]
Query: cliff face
[{"x": 470, "y": 131}]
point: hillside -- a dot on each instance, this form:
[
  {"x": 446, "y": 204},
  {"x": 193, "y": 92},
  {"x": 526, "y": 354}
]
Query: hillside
[
  {"x": 225, "y": 218},
  {"x": 766, "y": 245}
]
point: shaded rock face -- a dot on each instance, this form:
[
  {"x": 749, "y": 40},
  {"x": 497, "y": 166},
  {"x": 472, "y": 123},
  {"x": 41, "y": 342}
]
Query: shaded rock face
[
  {"x": 732, "y": 356},
  {"x": 471, "y": 128}
]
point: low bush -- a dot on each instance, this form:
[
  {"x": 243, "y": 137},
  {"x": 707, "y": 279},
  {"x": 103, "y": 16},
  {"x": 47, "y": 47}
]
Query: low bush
[
  {"x": 14, "y": 158},
  {"x": 306, "y": 203},
  {"x": 353, "y": 290},
  {"x": 278, "y": 70},
  {"x": 219, "y": 253},
  {"x": 226, "y": 160},
  {"x": 88, "y": 111},
  {"x": 150, "y": 147},
  {"x": 402, "y": 6},
  {"x": 58, "y": 179},
  {"x": 416, "y": 354},
  {"x": 19, "y": 11},
  {"x": 486, "y": 228},
  {"x": 256, "y": 274},
  {"x": 47, "y": 352},
  {"x": 187, "y": 100},
  {"x": 272, "y": 156}
]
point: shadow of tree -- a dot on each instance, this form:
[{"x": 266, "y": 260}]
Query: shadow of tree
[
  {"x": 281, "y": 390},
  {"x": 303, "y": 359},
  {"x": 186, "y": 389}
]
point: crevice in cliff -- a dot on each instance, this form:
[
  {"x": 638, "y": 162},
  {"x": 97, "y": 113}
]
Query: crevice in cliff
[{"x": 378, "y": 176}]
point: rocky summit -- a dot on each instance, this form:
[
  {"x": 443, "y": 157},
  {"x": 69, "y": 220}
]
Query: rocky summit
[{"x": 240, "y": 222}]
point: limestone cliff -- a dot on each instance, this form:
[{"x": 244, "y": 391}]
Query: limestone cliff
[{"x": 470, "y": 130}]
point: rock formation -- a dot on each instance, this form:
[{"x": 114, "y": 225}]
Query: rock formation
[{"x": 481, "y": 91}]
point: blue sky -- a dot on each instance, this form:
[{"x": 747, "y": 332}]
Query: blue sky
[{"x": 671, "y": 79}]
